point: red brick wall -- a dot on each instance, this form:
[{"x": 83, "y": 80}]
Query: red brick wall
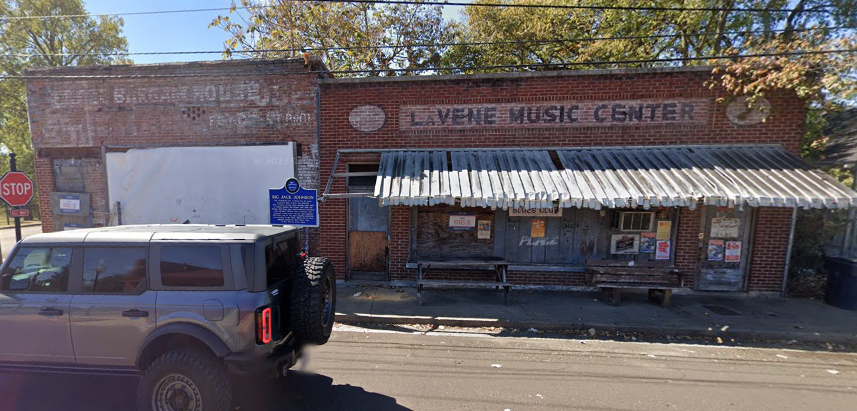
[
  {"x": 339, "y": 97},
  {"x": 688, "y": 245},
  {"x": 770, "y": 245},
  {"x": 184, "y": 104}
]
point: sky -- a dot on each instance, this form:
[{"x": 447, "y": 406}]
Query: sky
[{"x": 175, "y": 31}]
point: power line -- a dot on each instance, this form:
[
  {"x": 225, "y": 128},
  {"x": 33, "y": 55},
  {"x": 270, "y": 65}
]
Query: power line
[
  {"x": 440, "y": 69},
  {"x": 454, "y": 44},
  {"x": 427, "y": 3}
]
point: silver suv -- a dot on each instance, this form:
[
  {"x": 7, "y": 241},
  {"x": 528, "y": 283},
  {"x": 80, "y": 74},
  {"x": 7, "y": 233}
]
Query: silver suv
[{"x": 185, "y": 304}]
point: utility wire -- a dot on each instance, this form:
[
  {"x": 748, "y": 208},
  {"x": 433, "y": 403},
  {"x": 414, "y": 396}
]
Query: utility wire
[
  {"x": 439, "y": 69},
  {"x": 815, "y": 10},
  {"x": 483, "y": 43}
]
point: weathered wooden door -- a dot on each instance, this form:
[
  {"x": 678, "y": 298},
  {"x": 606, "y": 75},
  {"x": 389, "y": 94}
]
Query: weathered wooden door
[
  {"x": 368, "y": 239},
  {"x": 725, "y": 249}
]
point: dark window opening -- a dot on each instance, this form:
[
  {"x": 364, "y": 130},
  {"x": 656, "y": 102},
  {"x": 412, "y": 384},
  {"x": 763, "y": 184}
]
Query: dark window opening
[
  {"x": 280, "y": 260},
  {"x": 362, "y": 181},
  {"x": 38, "y": 270},
  {"x": 190, "y": 266},
  {"x": 114, "y": 270}
]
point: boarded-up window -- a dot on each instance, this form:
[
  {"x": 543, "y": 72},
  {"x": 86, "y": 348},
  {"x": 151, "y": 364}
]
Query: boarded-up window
[{"x": 436, "y": 240}]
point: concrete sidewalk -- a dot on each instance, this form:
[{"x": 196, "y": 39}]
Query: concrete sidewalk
[{"x": 693, "y": 315}]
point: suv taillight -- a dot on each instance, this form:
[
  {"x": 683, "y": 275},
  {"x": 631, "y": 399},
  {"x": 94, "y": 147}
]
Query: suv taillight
[{"x": 263, "y": 325}]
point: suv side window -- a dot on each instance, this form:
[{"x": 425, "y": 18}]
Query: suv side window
[
  {"x": 114, "y": 270},
  {"x": 191, "y": 266},
  {"x": 38, "y": 269}
]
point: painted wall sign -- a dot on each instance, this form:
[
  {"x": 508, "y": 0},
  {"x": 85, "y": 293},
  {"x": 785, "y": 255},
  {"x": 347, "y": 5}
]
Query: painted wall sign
[
  {"x": 558, "y": 114},
  {"x": 535, "y": 212},
  {"x": 293, "y": 205},
  {"x": 462, "y": 221},
  {"x": 367, "y": 118},
  {"x": 722, "y": 227},
  {"x": 738, "y": 112}
]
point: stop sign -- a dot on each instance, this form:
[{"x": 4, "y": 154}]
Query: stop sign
[{"x": 16, "y": 188}]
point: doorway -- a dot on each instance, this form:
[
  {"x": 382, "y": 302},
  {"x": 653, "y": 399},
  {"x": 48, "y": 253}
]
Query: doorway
[
  {"x": 725, "y": 248},
  {"x": 368, "y": 228}
]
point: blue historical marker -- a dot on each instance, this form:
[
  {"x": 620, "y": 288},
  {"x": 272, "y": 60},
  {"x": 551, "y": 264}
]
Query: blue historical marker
[{"x": 294, "y": 205}]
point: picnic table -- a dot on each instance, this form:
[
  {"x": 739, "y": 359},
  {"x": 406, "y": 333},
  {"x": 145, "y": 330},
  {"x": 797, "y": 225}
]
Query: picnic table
[{"x": 499, "y": 266}]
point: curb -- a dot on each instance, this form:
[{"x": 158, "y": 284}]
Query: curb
[
  {"x": 12, "y": 227},
  {"x": 556, "y": 327}
]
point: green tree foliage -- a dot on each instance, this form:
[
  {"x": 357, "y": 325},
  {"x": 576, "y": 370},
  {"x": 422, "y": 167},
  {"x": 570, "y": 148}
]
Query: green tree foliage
[
  {"x": 410, "y": 30},
  {"x": 669, "y": 34},
  {"x": 52, "y": 42}
]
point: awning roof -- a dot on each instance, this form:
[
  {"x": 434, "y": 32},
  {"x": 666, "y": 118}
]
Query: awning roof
[{"x": 612, "y": 177}]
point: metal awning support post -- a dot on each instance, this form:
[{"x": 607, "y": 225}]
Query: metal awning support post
[
  {"x": 330, "y": 179},
  {"x": 848, "y": 238},
  {"x": 789, "y": 254}
]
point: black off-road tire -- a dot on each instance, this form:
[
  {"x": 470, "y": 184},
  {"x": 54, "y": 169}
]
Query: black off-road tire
[
  {"x": 312, "y": 314},
  {"x": 206, "y": 372}
]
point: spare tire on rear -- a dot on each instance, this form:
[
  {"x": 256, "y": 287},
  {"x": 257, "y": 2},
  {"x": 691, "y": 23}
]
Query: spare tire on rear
[{"x": 313, "y": 301}]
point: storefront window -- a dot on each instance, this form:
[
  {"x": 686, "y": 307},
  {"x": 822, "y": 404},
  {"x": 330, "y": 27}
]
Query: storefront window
[
  {"x": 568, "y": 237},
  {"x": 635, "y": 221}
]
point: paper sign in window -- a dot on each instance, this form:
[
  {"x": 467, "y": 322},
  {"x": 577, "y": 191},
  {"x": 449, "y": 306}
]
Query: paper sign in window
[
  {"x": 538, "y": 230},
  {"x": 733, "y": 252}
]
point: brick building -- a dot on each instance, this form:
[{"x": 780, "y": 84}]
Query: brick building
[
  {"x": 81, "y": 116},
  {"x": 544, "y": 172},
  {"x": 547, "y": 171}
]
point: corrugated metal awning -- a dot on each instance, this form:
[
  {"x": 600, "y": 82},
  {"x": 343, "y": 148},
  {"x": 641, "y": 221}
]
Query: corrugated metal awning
[{"x": 612, "y": 177}]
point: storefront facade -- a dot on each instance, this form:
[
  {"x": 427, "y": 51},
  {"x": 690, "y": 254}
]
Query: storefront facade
[
  {"x": 547, "y": 171},
  {"x": 197, "y": 142}
]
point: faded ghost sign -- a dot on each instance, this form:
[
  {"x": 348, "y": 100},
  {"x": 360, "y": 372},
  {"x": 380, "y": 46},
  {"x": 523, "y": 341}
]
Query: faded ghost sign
[{"x": 556, "y": 114}]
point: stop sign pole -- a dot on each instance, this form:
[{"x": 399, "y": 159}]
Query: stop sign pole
[{"x": 13, "y": 166}]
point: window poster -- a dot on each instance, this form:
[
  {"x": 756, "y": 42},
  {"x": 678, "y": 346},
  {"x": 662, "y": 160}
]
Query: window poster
[
  {"x": 483, "y": 229},
  {"x": 715, "y": 250},
  {"x": 538, "y": 230},
  {"x": 624, "y": 244},
  {"x": 647, "y": 243},
  {"x": 665, "y": 228},
  {"x": 733, "y": 251},
  {"x": 663, "y": 250}
]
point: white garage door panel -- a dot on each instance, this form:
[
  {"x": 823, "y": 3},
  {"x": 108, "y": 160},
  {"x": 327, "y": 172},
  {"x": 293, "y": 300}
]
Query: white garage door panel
[{"x": 202, "y": 185}]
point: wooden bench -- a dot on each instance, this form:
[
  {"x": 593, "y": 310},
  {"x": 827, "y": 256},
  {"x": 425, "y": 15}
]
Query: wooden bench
[
  {"x": 499, "y": 266},
  {"x": 612, "y": 276}
]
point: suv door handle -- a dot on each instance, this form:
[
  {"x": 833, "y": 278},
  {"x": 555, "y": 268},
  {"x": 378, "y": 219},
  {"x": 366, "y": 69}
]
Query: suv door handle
[
  {"x": 50, "y": 312},
  {"x": 135, "y": 313}
]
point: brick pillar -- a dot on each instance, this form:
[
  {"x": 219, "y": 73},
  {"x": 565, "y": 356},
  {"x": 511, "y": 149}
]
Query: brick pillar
[
  {"x": 45, "y": 184},
  {"x": 400, "y": 225},
  {"x": 770, "y": 244},
  {"x": 688, "y": 243}
]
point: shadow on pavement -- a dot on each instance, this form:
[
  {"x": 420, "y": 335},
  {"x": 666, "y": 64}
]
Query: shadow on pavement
[
  {"x": 65, "y": 392},
  {"x": 84, "y": 392},
  {"x": 307, "y": 391}
]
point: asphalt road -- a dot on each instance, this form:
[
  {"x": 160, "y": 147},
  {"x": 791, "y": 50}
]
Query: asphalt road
[
  {"x": 441, "y": 372},
  {"x": 7, "y": 237}
]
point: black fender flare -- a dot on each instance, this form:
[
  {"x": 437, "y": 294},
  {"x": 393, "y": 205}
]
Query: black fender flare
[{"x": 214, "y": 343}]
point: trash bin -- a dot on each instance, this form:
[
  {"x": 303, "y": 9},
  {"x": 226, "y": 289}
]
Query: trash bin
[{"x": 841, "y": 282}]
